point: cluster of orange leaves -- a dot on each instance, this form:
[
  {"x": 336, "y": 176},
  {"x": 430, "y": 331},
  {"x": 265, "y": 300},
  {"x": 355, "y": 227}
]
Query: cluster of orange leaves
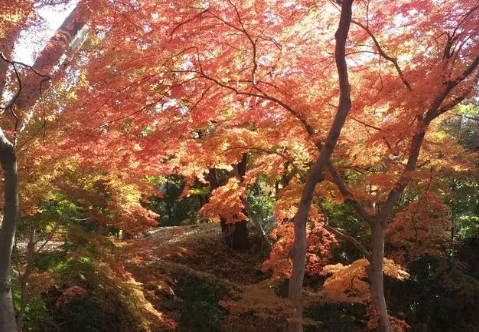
[
  {"x": 318, "y": 255},
  {"x": 226, "y": 203},
  {"x": 421, "y": 228}
]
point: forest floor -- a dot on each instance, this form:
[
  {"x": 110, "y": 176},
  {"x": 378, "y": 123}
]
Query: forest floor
[{"x": 192, "y": 282}]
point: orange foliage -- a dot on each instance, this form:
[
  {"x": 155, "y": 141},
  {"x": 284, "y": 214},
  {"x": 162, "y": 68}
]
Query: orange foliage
[
  {"x": 69, "y": 294},
  {"x": 348, "y": 283},
  {"x": 319, "y": 242},
  {"x": 421, "y": 228},
  {"x": 225, "y": 202},
  {"x": 186, "y": 86}
]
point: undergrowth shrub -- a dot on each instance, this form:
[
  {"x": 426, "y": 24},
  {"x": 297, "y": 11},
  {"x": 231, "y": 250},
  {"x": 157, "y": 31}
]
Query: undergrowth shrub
[
  {"x": 440, "y": 295},
  {"x": 83, "y": 315},
  {"x": 336, "y": 317},
  {"x": 85, "y": 290},
  {"x": 199, "y": 303}
]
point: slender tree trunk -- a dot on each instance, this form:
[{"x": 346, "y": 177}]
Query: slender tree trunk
[
  {"x": 7, "y": 233},
  {"x": 298, "y": 252},
  {"x": 240, "y": 172},
  {"x": 258, "y": 225},
  {"x": 376, "y": 278},
  {"x": 25, "y": 277},
  {"x": 298, "y": 256},
  {"x": 239, "y": 230}
]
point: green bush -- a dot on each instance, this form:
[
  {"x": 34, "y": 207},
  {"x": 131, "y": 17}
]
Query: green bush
[
  {"x": 199, "y": 307},
  {"x": 337, "y": 317},
  {"x": 440, "y": 295},
  {"x": 49, "y": 260},
  {"x": 83, "y": 315},
  {"x": 36, "y": 317}
]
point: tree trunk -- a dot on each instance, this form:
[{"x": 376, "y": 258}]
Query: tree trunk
[
  {"x": 258, "y": 225},
  {"x": 298, "y": 252},
  {"x": 240, "y": 172},
  {"x": 239, "y": 230},
  {"x": 25, "y": 278},
  {"x": 7, "y": 233},
  {"x": 298, "y": 256},
  {"x": 376, "y": 278},
  {"x": 236, "y": 235}
]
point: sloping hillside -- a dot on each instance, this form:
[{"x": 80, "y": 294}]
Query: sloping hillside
[{"x": 192, "y": 279}]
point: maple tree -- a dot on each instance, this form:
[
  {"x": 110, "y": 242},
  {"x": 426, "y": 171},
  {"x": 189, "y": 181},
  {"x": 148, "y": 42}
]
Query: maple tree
[
  {"x": 204, "y": 72},
  {"x": 298, "y": 87},
  {"x": 456, "y": 79},
  {"x": 241, "y": 70}
]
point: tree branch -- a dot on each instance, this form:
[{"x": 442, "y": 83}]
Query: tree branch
[
  {"x": 365, "y": 124},
  {"x": 12, "y": 62},
  {"x": 343, "y": 236},
  {"x": 348, "y": 195},
  {"x": 262, "y": 95},
  {"x": 384, "y": 55},
  {"x": 418, "y": 139}
]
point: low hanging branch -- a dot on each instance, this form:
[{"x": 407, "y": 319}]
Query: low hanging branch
[
  {"x": 348, "y": 196},
  {"x": 343, "y": 236}
]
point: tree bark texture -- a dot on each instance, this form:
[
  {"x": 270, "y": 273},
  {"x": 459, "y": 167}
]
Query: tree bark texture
[
  {"x": 376, "y": 278},
  {"x": 7, "y": 232}
]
